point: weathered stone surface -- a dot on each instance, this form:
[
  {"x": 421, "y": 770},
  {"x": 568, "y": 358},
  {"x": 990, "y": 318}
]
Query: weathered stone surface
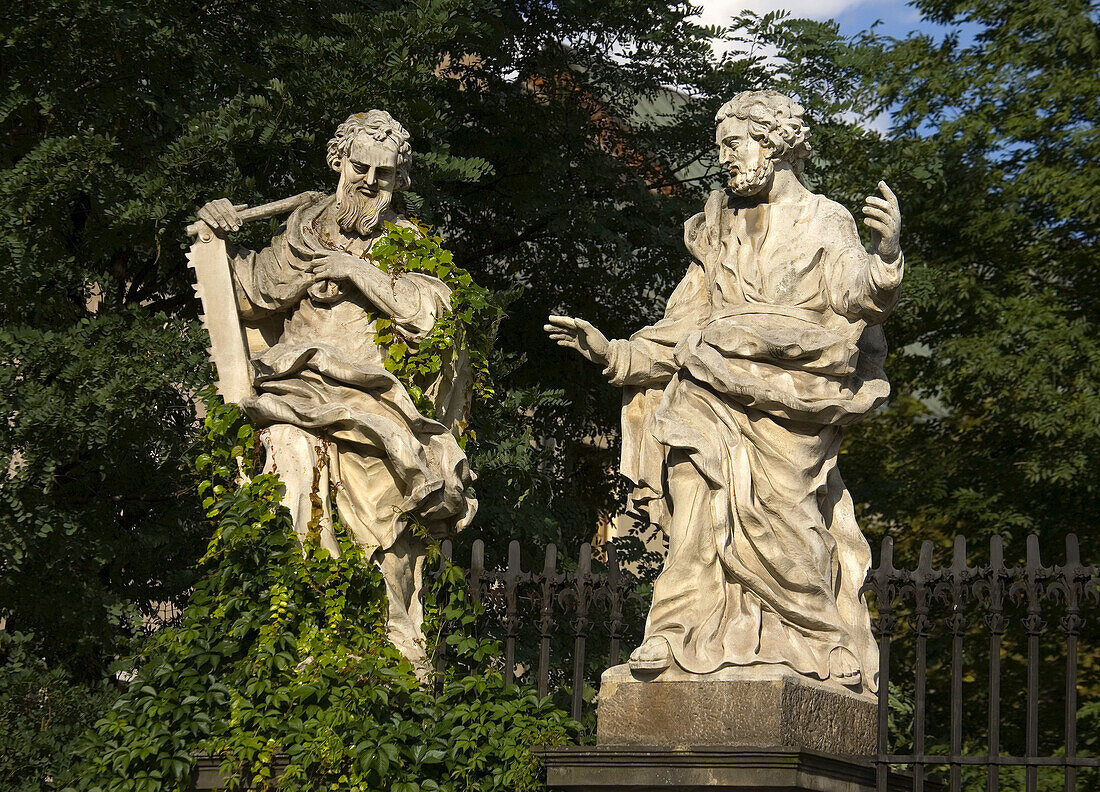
[
  {"x": 638, "y": 769},
  {"x": 761, "y": 707},
  {"x": 734, "y": 405},
  {"x": 294, "y": 328}
]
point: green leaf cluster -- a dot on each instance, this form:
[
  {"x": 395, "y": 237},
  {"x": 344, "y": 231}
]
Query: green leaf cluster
[
  {"x": 468, "y": 327},
  {"x": 281, "y": 652},
  {"x": 42, "y": 712},
  {"x": 99, "y": 428}
]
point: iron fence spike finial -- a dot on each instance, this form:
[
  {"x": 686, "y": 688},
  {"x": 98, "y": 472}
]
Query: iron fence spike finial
[
  {"x": 612, "y": 565},
  {"x": 925, "y": 562},
  {"x": 958, "y": 556},
  {"x": 996, "y": 552},
  {"x": 477, "y": 569},
  {"x": 1073, "y": 551},
  {"x": 1033, "y": 559}
]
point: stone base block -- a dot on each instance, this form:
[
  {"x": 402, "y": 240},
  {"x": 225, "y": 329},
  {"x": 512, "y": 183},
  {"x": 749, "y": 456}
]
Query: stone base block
[
  {"x": 639, "y": 769},
  {"x": 757, "y": 706}
]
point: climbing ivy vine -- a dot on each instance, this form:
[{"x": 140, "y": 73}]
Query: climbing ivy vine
[
  {"x": 281, "y": 652},
  {"x": 467, "y": 328}
]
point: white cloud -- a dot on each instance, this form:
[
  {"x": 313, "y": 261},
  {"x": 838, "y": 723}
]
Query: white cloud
[{"x": 719, "y": 12}]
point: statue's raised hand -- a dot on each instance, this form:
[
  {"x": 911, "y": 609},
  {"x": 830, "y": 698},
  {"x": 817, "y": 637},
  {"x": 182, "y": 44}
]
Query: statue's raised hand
[
  {"x": 579, "y": 335},
  {"x": 883, "y": 217},
  {"x": 221, "y": 215}
]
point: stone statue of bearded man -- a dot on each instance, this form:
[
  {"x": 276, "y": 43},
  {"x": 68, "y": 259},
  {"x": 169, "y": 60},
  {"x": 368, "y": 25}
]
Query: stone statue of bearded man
[
  {"x": 734, "y": 405},
  {"x": 333, "y": 419}
]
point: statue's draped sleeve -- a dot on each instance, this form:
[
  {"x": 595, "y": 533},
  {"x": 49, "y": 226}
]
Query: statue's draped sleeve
[
  {"x": 275, "y": 279},
  {"x": 861, "y": 286},
  {"x": 647, "y": 357},
  {"x": 427, "y": 300}
]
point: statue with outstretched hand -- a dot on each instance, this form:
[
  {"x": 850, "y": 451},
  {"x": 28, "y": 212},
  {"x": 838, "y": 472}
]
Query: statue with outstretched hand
[{"x": 733, "y": 409}]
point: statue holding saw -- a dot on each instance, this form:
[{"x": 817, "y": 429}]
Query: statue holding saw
[{"x": 293, "y": 331}]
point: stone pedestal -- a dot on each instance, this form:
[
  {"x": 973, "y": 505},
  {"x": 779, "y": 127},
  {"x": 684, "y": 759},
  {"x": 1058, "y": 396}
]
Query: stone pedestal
[
  {"x": 754, "y": 729},
  {"x": 714, "y": 769},
  {"x": 755, "y": 706}
]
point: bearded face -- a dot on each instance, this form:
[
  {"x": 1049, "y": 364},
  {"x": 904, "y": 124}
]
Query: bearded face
[
  {"x": 368, "y": 175},
  {"x": 750, "y": 164},
  {"x": 750, "y": 182},
  {"x": 357, "y": 212}
]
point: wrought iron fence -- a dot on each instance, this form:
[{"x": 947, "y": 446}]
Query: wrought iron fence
[
  {"x": 559, "y": 623},
  {"x": 958, "y": 644},
  {"x": 965, "y": 631}
]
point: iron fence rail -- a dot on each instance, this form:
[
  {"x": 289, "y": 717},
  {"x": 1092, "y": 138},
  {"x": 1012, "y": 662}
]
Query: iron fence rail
[
  {"x": 549, "y": 622},
  {"x": 942, "y": 632},
  {"x": 954, "y": 596}
]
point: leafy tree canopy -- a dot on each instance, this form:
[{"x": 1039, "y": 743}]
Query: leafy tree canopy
[{"x": 996, "y": 420}]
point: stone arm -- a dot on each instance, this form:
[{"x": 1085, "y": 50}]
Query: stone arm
[
  {"x": 648, "y": 356},
  {"x": 865, "y": 286},
  {"x": 861, "y": 285},
  {"x": 412, "y": 299},
  {"x": 269, "y": 281}
]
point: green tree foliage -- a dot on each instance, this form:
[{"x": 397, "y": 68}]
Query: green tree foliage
[
  {"x": 995, "y": 425},
  {"x": 42, "y": 712},
  {"x": 282, "y": 651},
  {"x": 119, "y": 118}
]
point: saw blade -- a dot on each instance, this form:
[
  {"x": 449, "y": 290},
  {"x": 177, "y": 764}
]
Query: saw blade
[{"x": 214, "y": 287}]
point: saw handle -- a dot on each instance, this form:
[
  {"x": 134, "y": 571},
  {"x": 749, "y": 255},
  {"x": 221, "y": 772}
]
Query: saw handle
[{"x": 284, "y": 206}]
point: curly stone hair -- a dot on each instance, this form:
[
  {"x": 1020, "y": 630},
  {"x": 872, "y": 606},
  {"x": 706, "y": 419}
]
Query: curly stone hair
[
  {"x": 774, "y": 120},
  {"x": 381, "y": 127}
]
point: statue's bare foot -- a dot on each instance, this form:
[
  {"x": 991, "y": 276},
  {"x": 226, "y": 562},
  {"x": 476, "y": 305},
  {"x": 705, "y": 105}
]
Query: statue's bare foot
[
  {"x": 844, "y": 667},
  {"x": 653, "y": 655}
]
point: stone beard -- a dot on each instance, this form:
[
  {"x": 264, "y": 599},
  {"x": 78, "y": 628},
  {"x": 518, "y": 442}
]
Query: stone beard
[
  {"x": 745, "y": 183},
  {"x": 358, "y": 213}
]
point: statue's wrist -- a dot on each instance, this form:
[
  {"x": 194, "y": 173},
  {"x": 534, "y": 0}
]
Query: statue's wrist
[
  {"x": 889, "y": 256},
  {"x": 617, "y": 357}
]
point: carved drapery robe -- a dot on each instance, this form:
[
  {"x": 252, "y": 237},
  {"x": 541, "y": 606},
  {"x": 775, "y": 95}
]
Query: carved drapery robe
[
  {"x": 324, "y": 373},
  {"x": 733, "y": 408}
]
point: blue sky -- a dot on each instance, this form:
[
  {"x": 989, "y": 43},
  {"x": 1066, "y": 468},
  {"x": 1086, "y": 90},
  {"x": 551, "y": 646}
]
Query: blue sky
[{"x": 898, "y": 18}]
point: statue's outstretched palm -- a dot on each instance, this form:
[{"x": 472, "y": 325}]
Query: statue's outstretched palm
[{"x": 579, "y": 335}]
